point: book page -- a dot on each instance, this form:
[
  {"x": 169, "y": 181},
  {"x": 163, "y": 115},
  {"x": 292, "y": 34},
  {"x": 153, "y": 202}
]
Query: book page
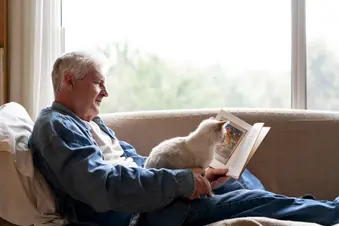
[
  {"x": 239, "y": 158},
  {"x": 218, "y": 159},
  {"x": 223, "y": 115},
  {"x": 244, "y": 139},
  {"x": 236, "y": 131},
  {"x": 217, "y": 164},
  {"x": 257, "y": 143}
]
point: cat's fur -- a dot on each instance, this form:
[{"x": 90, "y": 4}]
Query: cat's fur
[{"x": 193, "y": 151}]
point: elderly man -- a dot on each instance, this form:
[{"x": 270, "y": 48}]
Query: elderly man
[{"x": 99, "y": 180}]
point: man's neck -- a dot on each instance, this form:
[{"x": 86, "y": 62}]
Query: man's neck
[{"x": 69, "y": 103}]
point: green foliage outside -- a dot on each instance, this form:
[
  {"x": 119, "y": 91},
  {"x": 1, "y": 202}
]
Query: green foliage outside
[
  {"x": 323, "y": 78},
  {"x": 140, "y": 81}
]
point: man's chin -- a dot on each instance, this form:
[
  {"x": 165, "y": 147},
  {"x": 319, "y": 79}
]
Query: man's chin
[{"x": 95, "y": 109}]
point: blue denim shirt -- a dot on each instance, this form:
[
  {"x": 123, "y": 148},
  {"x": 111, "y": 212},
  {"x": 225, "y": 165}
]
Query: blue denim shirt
[{"x": 89, "y": 190}]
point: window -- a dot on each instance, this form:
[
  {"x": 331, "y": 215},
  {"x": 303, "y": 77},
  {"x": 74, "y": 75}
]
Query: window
[
  {"x": 322, "y": 54},
  {"x": 187, "y": 54}
]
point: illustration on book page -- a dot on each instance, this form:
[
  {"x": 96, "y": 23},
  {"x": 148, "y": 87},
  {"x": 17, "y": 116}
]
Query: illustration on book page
[{"x": 233, "y": 136}]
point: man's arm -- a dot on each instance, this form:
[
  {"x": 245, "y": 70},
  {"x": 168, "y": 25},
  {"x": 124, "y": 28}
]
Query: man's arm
[
  {"x": 132, "y": 153},
  {"x": 77, "y": 163}
]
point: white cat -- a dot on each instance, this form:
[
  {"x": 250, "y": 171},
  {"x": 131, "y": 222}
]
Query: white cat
[{"x": 193, "y": 151}]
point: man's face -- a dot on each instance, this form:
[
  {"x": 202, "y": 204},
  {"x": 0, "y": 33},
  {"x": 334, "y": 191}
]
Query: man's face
[{"x": 88, "y": 94}]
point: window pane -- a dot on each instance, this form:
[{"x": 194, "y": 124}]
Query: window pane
[
  {"x": 322, "y": 54},
  {"x": 185, "y": 53}
]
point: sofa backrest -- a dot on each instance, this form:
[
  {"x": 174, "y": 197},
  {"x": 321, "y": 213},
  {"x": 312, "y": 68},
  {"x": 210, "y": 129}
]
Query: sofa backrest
[{"x": 299, "y": 155}]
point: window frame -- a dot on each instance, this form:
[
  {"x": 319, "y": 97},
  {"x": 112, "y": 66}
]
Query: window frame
[{"x": 299, "y": 55}]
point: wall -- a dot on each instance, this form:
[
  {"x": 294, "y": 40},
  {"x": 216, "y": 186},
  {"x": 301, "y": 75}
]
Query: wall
[
  {"x": 4, "y": 41},
  {"x": 3, "y": 13}
]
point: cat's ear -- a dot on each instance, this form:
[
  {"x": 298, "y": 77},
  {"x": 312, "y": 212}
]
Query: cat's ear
[{"x": 219, "y": 125}]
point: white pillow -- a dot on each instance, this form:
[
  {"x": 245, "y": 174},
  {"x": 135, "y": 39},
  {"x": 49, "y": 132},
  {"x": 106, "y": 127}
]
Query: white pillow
[{"x": 26, "y": 198}]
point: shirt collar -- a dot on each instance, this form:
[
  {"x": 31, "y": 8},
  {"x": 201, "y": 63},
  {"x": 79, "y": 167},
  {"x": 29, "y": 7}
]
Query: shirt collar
[{"x": 62, "y": 108}]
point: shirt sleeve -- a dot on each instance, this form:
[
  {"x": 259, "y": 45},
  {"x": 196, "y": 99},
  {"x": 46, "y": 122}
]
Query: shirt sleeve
[
  {"x": 78, "y": 165},
  {"x": 130, "y": 151}
]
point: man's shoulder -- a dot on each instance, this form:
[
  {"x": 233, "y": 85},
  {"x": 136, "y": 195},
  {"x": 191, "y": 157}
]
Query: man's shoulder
[
  {"x": 51, "y": 123},
  {"x": 50, "y": 118}
]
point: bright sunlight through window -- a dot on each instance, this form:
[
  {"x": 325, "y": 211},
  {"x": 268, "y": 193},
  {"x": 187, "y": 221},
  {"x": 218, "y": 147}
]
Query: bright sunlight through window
[{"x": 194, "y": 54}]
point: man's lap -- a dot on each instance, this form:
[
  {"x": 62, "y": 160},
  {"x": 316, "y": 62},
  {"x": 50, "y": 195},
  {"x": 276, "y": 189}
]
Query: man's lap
[
  {"x": 170, "y": 212},
  {"x": 246, "y": 181},
  {"x": 242, "y": 198}
]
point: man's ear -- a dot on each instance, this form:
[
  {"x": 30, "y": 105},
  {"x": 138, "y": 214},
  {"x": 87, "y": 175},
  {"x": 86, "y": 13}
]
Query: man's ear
[{"x": 68, "y": 80}]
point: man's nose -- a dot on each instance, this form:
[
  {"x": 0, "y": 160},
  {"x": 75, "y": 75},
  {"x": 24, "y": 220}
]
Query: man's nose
[{"x": 104, "y": 93}]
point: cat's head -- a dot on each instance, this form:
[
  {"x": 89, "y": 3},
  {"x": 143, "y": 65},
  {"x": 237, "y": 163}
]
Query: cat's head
[{"x": 214, "y": 128}]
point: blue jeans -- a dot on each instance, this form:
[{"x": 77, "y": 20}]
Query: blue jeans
[
  {"x": 246, "y": 181},
  {"x": 246, "y": 197}
]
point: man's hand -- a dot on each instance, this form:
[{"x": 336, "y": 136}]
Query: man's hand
[
  {"x": 202, "y": 185},
  {"x": 217, "y": 177}
]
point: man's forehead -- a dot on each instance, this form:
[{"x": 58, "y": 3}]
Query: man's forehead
[
  {"x": 99, "y": 75},
  {"x": 96, "y": 74}
]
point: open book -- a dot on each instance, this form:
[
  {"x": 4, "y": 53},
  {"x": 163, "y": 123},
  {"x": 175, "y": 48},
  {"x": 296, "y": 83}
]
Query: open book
[{"x": 239, "y": 144}]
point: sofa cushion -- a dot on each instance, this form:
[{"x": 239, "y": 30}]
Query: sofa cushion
[{"x": 26, "y": 198}]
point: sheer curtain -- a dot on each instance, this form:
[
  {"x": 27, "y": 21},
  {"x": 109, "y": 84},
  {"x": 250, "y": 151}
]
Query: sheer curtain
[{"x": 35, "y": 42}]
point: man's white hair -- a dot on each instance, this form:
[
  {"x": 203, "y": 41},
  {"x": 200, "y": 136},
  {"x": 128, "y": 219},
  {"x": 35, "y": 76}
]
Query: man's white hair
[{"x": 78, "y": 63}]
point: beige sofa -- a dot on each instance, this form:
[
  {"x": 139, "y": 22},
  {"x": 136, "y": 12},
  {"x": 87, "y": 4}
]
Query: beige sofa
[{"x": 299, "y": 155}]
